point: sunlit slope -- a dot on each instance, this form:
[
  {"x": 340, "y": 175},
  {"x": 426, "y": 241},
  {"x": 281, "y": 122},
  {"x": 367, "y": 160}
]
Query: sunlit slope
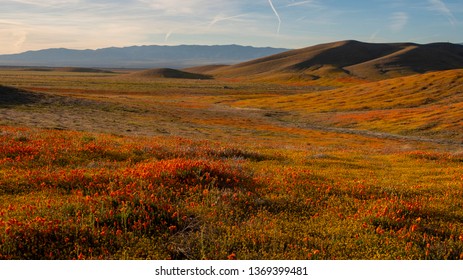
[
  {"x": 428, "y": 104},
  {"x": 347, "y": 59}
]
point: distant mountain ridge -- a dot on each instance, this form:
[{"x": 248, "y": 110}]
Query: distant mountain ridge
[{"x": 140, "y": 56}]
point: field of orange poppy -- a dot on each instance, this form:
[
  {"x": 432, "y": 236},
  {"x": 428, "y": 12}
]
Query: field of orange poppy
[{"x": 105, "y": 166}]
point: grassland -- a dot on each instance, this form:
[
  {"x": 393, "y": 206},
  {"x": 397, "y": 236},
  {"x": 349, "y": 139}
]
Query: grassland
[
  {"x": 111, "y": 166},
  {"x": 426, "y": 105}
]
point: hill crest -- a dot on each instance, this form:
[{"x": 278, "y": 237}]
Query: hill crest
[{"x": 369, "y": 61}]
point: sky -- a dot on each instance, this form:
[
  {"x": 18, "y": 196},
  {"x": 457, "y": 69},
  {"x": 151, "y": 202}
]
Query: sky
[{"x": 92, "y": 24}]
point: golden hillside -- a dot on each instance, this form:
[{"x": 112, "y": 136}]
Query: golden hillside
[
  {"x": 425, "y": 104},
  {"x": 347, "y": 59}
]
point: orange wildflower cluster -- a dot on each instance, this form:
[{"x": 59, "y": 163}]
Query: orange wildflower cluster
[{"x": 71, "y": 195}]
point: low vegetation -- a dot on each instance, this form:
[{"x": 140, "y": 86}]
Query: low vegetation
[
  {"x": 428, "y": 105},
  {"x": 96, "y": 196},
  {"x": 93, "y": 166}
]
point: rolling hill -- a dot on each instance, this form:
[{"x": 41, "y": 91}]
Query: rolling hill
[
  {"x": 427, "y": 105},
  {"x": 348, "y": 59}
]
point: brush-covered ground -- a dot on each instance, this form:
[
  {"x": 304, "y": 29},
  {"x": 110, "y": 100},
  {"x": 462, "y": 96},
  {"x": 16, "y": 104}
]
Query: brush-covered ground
[{"x": 106, "y": 166}]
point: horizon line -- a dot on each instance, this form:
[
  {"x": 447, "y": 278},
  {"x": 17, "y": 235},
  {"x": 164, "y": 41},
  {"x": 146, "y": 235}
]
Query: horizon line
[{"x": 219, "y": 45}]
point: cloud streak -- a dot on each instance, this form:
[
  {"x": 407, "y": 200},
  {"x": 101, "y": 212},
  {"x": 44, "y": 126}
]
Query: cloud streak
[
  {"x": 398, "y": 21},
  {"x": 220, "y": 17},
  {"x": 48, "y": 3},
  {"x": 300, "y": 3}
]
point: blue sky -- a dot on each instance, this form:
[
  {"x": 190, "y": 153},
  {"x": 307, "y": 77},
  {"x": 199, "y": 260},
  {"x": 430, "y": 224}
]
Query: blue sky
[{"x": 90, "y": 24}]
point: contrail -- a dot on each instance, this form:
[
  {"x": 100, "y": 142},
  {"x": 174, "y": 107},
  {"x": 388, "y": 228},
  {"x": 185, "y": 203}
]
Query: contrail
[
  {"x": 373, "y": 36},
  {"x": 439, "y": 6},
  {"x": 276, "y": 13}
]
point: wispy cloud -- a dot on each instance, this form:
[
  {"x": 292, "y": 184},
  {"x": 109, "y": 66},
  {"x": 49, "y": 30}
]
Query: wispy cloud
[
  {"x": 38, "y": 24},
  {"x": 173, "y": 7},
  {"x": 13, "y": 40},
  {"x": 398, "y": 21},
  {"x": 221, "y": 17},
  {"x": 300, "y": 3},
  {"x": 198, "y": 8},
  {"x": 48, "y": 3},
  {"x": 193, "y": 17},
  {"x": 440, "y": 7},
  {"x": 21, "y": 38}
]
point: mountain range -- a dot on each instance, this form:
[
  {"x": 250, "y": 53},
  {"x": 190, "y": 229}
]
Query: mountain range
[
  {"x": 139, "y": 56},
  {"x": 336, "y": 60}
]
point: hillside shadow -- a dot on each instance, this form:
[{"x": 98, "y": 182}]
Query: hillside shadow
[
  {"x": 348, "y": 53},
  {"x": 170, "y": 73},
  {"x": 10, "y": 96}
]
